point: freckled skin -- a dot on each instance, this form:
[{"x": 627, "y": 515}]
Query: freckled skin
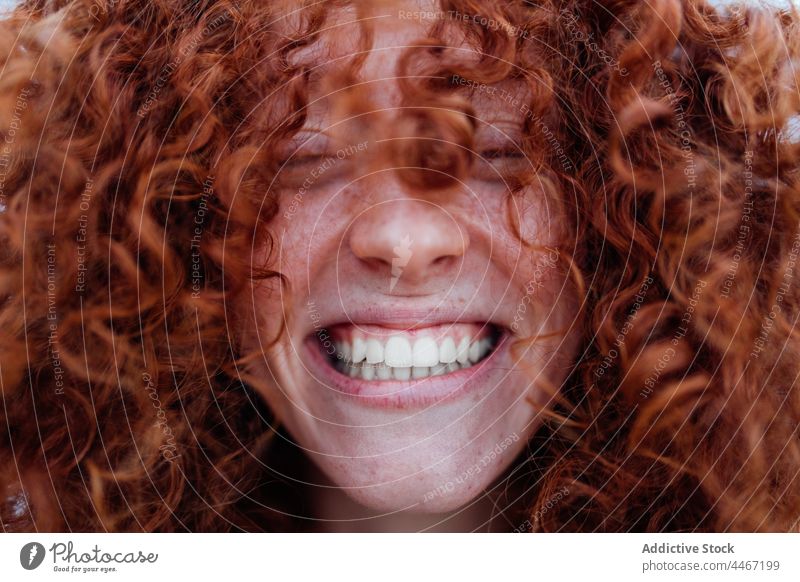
[{"x": 336, "y": 250}]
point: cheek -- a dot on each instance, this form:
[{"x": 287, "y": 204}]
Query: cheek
[
  {"x": 537, "y": 258},
  {"x": 536, "y": 218},
  {"x": 548, "y": 306},
  {"x": 308, "y": 237}
]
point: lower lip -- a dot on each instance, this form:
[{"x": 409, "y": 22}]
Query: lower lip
[{"x": 404, "y": 394}]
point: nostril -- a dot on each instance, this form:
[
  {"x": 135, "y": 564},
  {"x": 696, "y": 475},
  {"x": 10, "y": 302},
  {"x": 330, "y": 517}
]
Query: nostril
[
  {"x": 443, "y": 261},
  {"x": 375, "y": 263}
]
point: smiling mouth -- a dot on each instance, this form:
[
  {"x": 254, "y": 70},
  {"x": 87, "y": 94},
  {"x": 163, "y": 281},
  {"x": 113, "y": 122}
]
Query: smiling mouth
[{"x": 380, "y": 354}]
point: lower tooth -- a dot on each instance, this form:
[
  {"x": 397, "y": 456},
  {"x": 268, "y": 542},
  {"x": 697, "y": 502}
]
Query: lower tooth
[
  {"x": 418, "y": 372},
  {"x": 438, "y": 369},
  {"x": 383, "y": 372}
]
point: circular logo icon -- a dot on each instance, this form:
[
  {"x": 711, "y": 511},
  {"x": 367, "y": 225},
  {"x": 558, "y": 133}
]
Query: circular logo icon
[{"x": 31, "y": 555}]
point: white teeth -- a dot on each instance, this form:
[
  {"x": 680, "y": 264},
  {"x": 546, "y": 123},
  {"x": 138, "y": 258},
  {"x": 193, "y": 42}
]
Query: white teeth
[
  {"x": 368, "y": 372},
  {"x": 475, "y": 352},
  {"x": 359, "y": 350},
  {"x": 462, "y": 353},
  {"x": 418, "y": 372},
  {"x": 447, "y": 351},
  {"x": 438, "y": 369},
  {"x": 397, "y": 359},
  {"x": 374, "y": 352},
  {"x": 426, "y": 352},
  {"x": 398, "y": 352}
]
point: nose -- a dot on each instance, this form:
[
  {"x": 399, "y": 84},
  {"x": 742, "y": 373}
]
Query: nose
[{"x": 411, "y": 240}]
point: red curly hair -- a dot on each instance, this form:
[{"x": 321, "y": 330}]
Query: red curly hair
[{"x": 139, "y": 165}]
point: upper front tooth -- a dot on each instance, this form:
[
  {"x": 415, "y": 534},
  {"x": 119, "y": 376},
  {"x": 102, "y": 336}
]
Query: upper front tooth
[
  {"x": 426, "y": 352},
  {"x": 398, "y": 353},
  {"x": 374, "y": 351},
  {"x": 403, "y": 354},
  {"x": 359, "y": 350},
  {"x": 447, "y": 351}
]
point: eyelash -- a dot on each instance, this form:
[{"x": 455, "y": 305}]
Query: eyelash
[
  {"x": 301, "y": 159},
  {"x": 305, "y": 148},
  {"x": 498, "y": 153}
]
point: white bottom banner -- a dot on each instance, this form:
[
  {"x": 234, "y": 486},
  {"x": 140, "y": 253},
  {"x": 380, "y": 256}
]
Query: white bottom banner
[{"x": 378, "y": 557}]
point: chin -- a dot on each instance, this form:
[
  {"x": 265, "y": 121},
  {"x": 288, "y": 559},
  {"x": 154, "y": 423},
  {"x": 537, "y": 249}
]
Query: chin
[
  {"x": 390, "y": 499},
  {"x": 434, "y": 478}
]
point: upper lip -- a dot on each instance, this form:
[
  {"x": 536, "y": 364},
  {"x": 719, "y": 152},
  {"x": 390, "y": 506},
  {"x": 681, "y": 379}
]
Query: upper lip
[{"x": 410, "y": 318}]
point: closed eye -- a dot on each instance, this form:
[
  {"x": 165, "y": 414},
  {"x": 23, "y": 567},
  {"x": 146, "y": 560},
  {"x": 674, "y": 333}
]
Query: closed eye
[
  {"x": 303, "y": 159},
  {"x": 500, "y": 153},
  {"x": 499, "y": 164},
  {"x": 305, "y": 149}
]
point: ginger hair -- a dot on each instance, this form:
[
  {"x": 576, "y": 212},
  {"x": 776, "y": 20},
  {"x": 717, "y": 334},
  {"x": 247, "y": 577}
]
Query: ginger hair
[{"x": 141, "y": 141}]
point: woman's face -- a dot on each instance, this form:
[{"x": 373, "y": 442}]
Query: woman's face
[{"x": 395, "y": 372}]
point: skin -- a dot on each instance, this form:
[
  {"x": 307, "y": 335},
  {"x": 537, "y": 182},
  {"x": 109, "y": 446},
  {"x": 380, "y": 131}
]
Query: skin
[{"x": 336, "y": 248}]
